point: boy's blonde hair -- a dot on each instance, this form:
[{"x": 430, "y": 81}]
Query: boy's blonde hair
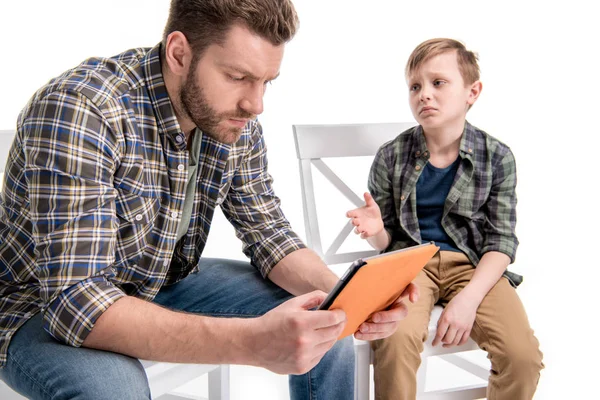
[{"x": 467, "y": 60}]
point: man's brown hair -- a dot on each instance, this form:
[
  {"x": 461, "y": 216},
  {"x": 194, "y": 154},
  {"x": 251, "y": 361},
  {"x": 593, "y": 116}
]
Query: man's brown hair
[
  {"x": 206, "y": 22},
  {"x": 467, "y": 60}
]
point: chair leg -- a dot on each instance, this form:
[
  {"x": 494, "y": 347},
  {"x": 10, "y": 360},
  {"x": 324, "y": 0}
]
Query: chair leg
[
  {"x": 218, "y": 383},
  {"x": 422, "y": 376},
  {"x": 362, "y": 371}
]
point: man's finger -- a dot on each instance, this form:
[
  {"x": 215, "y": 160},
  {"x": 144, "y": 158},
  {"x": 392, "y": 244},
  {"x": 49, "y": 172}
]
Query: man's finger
[
  {"x": 385, "y": 327},
  {"x": 412, "y": 292},
  {"x": 398, "y": 311},
  {"x": 307, "y": 300},
  {"x": 321, "y": 319}
]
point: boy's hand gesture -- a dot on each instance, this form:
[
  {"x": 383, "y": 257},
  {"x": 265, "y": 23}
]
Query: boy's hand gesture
[{"x": 366, "y": 219}]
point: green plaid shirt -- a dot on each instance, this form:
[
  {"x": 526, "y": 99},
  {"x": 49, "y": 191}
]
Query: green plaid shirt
[
  {"x": 480, "y": 210},
  {"x": 94, "y": 190}
]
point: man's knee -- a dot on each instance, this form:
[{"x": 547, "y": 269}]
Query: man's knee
[
  {"x": 125, "y": 378},
  {"x": 103, "y": 378}
]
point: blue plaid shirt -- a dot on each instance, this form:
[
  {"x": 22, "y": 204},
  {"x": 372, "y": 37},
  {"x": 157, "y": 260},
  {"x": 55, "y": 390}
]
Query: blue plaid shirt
[{"x": 94, "y": 190}]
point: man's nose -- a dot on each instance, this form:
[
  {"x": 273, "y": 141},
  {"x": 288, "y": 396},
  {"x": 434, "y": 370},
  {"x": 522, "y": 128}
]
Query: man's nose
[{"x": 253, "y": 99}]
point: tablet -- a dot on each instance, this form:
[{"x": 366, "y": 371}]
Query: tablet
[{"x": 372, "y": 284}]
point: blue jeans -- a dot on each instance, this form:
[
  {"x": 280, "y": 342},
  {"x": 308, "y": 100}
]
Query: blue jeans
[{"x": 39, "y": 367}]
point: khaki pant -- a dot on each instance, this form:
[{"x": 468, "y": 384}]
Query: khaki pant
[{"x": 501, "y": 329}]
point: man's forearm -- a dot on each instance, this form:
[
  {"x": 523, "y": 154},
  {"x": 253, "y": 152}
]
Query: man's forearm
[
  {"x": 144, "y": 330},
  {"x": 303, "y": 271}
]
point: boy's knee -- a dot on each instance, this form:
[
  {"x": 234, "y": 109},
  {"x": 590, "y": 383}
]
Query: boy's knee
[
  {"x": 523, "y": 361},
  {"x": 401, "y": 343}
]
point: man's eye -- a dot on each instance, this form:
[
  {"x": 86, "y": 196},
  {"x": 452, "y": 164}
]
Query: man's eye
[{"x": 236, "y": 78}]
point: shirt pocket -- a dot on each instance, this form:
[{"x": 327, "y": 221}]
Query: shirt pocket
[{"x": 131, "y": 208}]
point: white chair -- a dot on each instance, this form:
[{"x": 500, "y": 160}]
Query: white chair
[
  {"x": 317, "y": 142},
  {"x": 164, "y": 378}
]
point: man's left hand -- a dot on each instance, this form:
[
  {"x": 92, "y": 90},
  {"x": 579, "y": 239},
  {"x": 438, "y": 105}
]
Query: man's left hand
[{"x": 384, "y": 323}]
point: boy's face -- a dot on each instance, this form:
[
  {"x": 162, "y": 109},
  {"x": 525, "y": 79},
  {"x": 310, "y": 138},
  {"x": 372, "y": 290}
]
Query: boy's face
[
  {"x": 438, "y": 96},
  {"x": 225, "y": 89}
]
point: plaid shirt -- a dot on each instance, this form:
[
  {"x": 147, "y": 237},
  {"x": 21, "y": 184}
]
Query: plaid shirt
[
  {"x": 93, "y": 193},
  {"x": 480, "y": 210}
]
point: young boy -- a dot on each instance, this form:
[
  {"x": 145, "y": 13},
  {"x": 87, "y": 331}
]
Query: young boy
[{"x": 447, "y": 181}]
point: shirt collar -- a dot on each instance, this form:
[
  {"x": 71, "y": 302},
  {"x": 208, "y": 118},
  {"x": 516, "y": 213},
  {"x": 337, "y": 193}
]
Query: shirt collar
[
  {"x": 467, "y": 142},
  {"x": 161, "y": 102}
]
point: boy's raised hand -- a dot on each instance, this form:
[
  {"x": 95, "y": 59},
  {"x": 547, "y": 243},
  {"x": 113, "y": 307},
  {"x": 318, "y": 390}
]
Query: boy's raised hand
[{"x": 366, "y": 219}]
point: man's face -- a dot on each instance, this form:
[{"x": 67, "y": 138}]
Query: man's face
[
  {"x": 438, "y": 95},
  {"x": 225, "y": 87}
]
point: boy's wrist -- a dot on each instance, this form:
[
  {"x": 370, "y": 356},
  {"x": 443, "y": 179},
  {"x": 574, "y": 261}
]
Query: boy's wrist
[{"x": 473, "y": 294}]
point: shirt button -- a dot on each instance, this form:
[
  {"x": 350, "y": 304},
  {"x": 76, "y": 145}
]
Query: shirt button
[
  {"x": 181, "y": 167},
  {"x": 418, "y": 167},
  {"x": 426, "y": 154},
  {"x": 179, "y": 139},
  {"x": 139, "y": 217},
  {"x": 418, "y": 153},
  {"x": 402, "y": 197},
  {"x": 470, "y": 150},
  {"x": 166, "y": 263},
  {"x": 174, "y": 214}
]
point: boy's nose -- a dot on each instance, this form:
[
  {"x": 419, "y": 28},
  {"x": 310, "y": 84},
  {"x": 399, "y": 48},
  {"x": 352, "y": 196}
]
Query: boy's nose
[{"x": 425, "y": 94}]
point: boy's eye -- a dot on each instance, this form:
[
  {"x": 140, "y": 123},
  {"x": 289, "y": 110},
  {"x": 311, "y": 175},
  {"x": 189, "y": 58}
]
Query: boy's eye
[
  {"x": 438, "y": 82},
  {"x": 414, "y": 88}
]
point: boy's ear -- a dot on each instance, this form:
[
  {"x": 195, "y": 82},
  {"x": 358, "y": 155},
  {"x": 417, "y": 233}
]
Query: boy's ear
[{"x": 474, "y": 92}]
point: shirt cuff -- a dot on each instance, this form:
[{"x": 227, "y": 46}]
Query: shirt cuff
[
  {"x": 72, "y": 315},
  {"x": 504, "y": 245},
  {"x": 273, "y": 249}
]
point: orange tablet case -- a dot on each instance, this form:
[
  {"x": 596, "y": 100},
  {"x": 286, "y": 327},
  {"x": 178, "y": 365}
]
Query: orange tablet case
[{"x": 372, "y": 284}]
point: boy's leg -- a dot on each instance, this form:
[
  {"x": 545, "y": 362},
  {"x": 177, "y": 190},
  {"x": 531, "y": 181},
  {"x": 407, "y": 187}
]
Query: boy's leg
[
  {"x": 227, "y": 288},
  {"x": 502, "y": 329},
  {"x": 398, "y": 357},
  {"x": 39, "y": 367}
]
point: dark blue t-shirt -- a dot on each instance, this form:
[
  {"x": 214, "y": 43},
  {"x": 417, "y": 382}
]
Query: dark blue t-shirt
[{"x": 433, "y": 187}]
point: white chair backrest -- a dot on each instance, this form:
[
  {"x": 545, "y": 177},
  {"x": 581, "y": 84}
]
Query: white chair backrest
[
  {"x": 6, "y": 139},
  {"x": 315, "y": 142}
]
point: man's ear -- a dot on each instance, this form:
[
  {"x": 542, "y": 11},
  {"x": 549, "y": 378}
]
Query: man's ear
[
  {"x": 474, "y": 92},
  {"x": 178, "y": 54}
]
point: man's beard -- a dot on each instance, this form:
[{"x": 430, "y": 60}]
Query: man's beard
[{"x": 195, "y": 105}]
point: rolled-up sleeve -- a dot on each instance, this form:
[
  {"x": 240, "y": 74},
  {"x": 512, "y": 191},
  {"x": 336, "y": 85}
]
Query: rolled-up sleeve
[
  {"x": 255, "y": 212},
  {"x": 380, "y": 187},
  {"x": 70, "y": 160},
  {"x": 501, "y": 215}
]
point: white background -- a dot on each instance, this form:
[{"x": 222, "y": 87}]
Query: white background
[{"x": 540, "y": 74}]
